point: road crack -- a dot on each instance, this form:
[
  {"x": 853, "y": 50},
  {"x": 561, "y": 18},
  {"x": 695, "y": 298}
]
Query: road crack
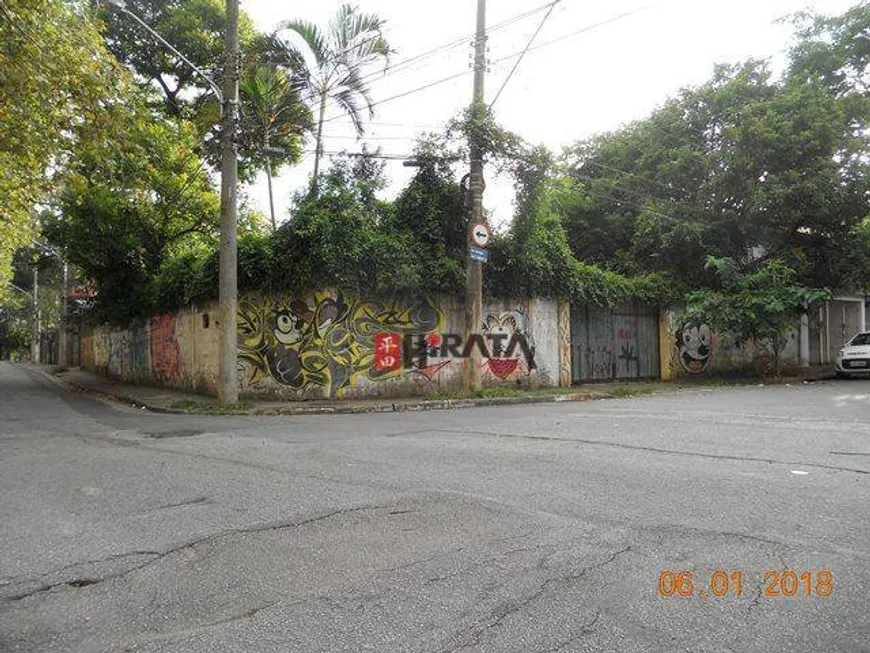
[
  {"x": 659, "y": 450},
  {"x": 472, "y": 635},
  {"x": 155, "y": 556}
]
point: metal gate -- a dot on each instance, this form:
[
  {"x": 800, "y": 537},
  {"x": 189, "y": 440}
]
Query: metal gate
[{"x": 619, "y": 343}]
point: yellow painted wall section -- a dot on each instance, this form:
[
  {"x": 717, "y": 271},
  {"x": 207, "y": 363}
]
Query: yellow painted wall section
[{"x": 667, "y": 345}]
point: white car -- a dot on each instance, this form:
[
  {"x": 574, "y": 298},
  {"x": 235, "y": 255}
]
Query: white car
[{"x": 854, "y": 357}]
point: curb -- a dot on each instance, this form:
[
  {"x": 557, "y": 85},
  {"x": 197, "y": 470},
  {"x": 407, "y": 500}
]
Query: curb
[
  {"x": 337, "y": 409},
  {"x": 427, "y": 405},
  {"x": 71, "y": 386}
]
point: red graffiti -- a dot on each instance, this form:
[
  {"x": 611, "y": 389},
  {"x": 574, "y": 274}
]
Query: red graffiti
[
  {"x": 388, "y": 352},
  {"x": 165, "y": 351},
  {"x": 503, "y": 367}
]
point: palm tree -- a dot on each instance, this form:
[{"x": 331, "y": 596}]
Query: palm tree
[
  {"x": 274, "y": 115},
  {"x": 336, "y": 61}
]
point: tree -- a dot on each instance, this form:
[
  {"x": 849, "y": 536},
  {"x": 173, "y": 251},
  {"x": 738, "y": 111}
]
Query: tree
[
  {"x": 336, "y": 62},
  {"x": 134, "y": 197},
  {"x": 833, "y": 49},
  {"x": 760, "y": 304},
  {"x": 194, "y": 27},
  {"x": 54, "y": 73},
  {"x": 430, "y": 211},
  {"x": 275, "y": 119},
  {"x": 740, "y": 165}
]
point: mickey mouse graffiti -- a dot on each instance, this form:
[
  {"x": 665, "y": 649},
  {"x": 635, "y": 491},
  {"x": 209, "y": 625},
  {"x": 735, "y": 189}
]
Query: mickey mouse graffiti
[{"x": 694, "y": 344}]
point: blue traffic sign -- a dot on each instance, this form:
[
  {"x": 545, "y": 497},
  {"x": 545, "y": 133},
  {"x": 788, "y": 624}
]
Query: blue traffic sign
[{"x": 478, "y": 254}]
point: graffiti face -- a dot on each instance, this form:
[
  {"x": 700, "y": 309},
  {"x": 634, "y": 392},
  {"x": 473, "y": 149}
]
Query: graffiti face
[
  {"x": 506, "y": 361},
  {"x": 694, "y": 345},
  {"x": 288, "y": 323}
]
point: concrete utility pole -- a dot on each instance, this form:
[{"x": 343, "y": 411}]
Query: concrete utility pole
[
  {"x": 63, "y": 330},
  {"x": 228, "y": 387},
  {"x": 474, "y": 280},
  {"x": 34, "y": 332}
]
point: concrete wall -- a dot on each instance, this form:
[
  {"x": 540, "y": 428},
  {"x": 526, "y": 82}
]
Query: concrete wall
[
  {"x": 692, "y": 349},
  {"x": 178, "y": 350},
  {"x": 321, "y": 345}
]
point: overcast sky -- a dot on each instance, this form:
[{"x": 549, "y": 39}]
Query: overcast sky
[{"x": 587, "y": 83}]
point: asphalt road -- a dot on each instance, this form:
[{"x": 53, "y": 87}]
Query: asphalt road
[{"x": 531, "y": 528}]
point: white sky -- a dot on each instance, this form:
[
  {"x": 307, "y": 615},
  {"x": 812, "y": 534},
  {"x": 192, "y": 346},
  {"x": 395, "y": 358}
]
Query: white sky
[{"x": 585, "y": 84}]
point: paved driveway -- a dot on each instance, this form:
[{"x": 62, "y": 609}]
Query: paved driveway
[{"x": 529, "y": 529}]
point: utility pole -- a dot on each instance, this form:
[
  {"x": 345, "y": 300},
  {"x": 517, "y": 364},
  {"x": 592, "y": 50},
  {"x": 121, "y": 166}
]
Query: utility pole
[
  {"x": 474, "y": 279},
  {"x": 228, "y": 388},
  {"x": 62, "y": 357},
  {"x": 34, "y": 332}
]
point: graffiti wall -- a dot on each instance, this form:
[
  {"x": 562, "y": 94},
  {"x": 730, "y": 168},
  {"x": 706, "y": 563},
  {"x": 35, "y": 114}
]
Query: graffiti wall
[
  {"x": 331, "y": 345},
  {"x": 328, "y": 345},
  {"x": 323, "y": 345},
  {"x": 694, "y": 349},
  {"x": 165, "y": 350},
  {"x": 178, "y": 350}
]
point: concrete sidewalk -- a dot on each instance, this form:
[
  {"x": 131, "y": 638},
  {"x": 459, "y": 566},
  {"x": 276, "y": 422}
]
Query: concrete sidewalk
[{"x": 172, "y": 400}]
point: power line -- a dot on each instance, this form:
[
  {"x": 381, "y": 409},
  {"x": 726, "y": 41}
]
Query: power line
[
  {"x": 636, "y": 175},
  {"x": 528, "y": 45},
  {"x": 510, "y": 56},
  {"x": 646, "y": 209},
  {"x": 405, "y": 64},
  {"x": 648, "y": 198},
  {"x": 462, "y": 40},
  {"x": 369, "y": 138},
  {"x": 583, "y": 30}
]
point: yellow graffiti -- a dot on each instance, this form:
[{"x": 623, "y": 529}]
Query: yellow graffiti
[{"x": 324, "y": 340}]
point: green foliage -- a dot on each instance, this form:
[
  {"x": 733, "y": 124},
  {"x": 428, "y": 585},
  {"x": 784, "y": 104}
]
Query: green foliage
[
  {"x": 136, "y": 195},
  {"x": 833, "y": 49},
  {"x": 761, "y": 304},
  {"x": 273, "y": 117},
  {"x": 743, "y": 163},
  {"x": 53, "y": 74},
  {"x": 477, "y": 130},
  {"x": 14, "y": 329},
  {"x": 272, "y": 114},
  {"x": 535, "y": 257},
  {"x": 335, "y": 239},
  {"x": 335, "y": 62},
  {"x": 194, "y": 27},
  {"x": 431, "y": 213}
]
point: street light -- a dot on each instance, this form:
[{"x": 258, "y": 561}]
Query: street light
[
  {"x": 14, "y": 287},
  {"x": 228, "y": 387},
  {"x": 121, "y": 5}
]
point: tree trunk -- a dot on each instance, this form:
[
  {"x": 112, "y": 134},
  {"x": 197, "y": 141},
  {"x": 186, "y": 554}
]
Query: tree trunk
[
  {"x": 318, "y": 150},
  {"x": 271, "y": 200}
]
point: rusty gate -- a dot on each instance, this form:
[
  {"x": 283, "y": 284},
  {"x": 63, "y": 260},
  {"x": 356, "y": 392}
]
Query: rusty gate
[{"x": 619, "y": 343}]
